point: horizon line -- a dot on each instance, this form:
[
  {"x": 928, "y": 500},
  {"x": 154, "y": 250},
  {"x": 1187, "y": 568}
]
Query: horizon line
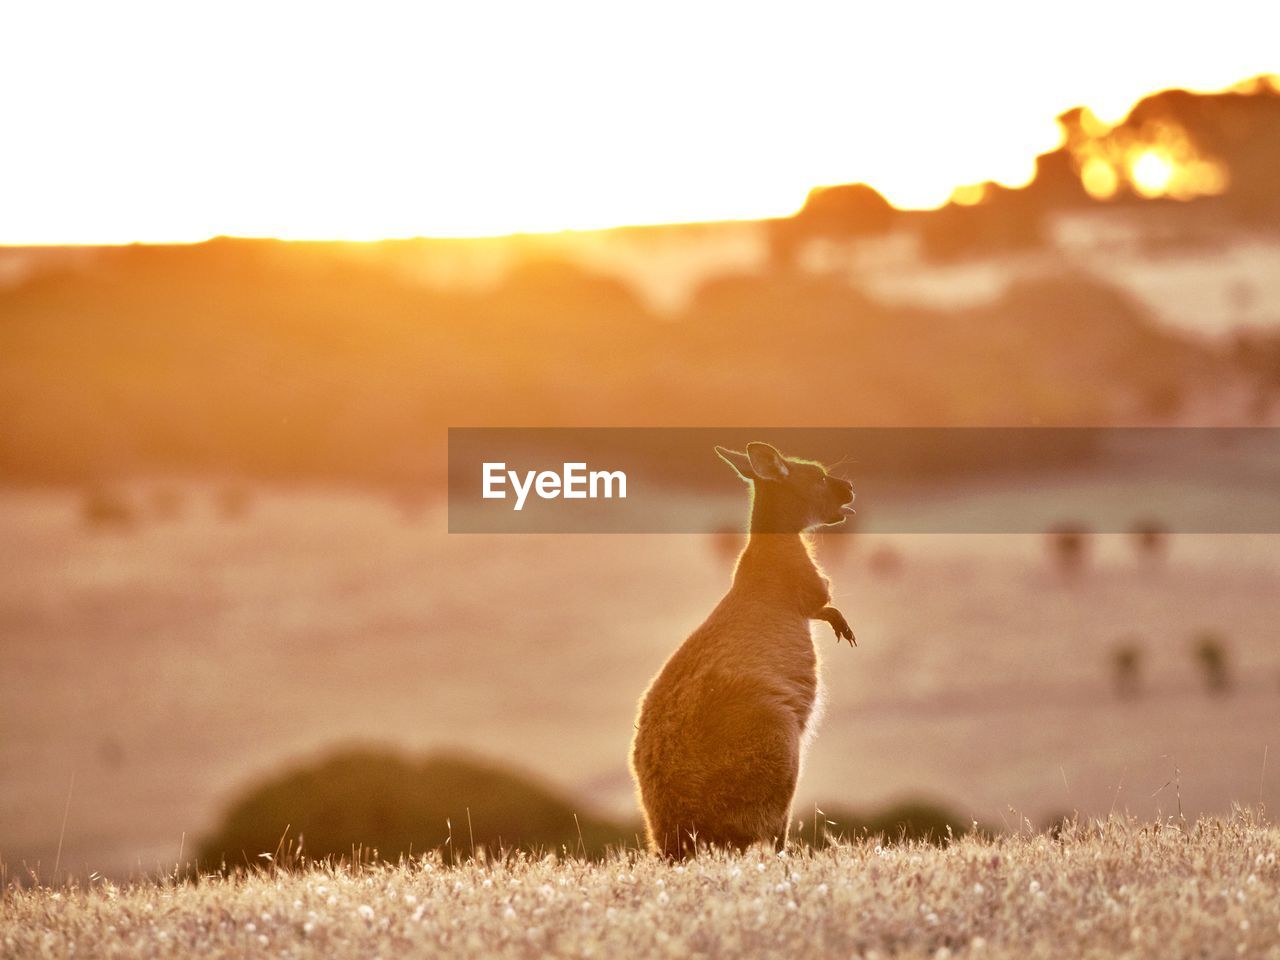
[{"x": 1256, "y": 84}]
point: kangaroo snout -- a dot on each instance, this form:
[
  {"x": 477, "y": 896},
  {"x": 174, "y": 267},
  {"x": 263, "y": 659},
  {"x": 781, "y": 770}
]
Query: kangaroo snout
[{"x": 841, "y": 500}]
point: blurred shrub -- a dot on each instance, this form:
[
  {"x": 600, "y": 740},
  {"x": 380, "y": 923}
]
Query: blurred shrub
[
  {"x": 1150, "y": 538},
  {"x": 909, "y": 821},
  {"x": 885, "y": 561},
  {"x": 848, "y": 211},
  {"x": 1068, "y": 544},
  {"x": 1211, "y": 656},
  {"x": 1126, "y": 666},
  {"x": 1006, "y": 221},
  {"x": 1126, "y": 344},
  {"x": 410, "y": 502},
  {"x": 232, "y": 501},
  {"x": 105, "y": 507},
  {"x": 386, "y": 805}
]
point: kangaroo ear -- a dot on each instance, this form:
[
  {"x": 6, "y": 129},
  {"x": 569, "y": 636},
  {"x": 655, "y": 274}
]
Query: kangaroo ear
[
  {"x": 766, "y": 462},
  {"x": 739, "y": 461}
]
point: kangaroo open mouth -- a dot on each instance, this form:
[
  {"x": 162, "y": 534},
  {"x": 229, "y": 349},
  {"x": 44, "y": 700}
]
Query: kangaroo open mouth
[{"x": 841, "y": 513}]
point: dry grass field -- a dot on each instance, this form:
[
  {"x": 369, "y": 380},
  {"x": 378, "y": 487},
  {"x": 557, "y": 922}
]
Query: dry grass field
[
  {"x": 150, "y": 676},
  {"x": 1122, "y": 888}
]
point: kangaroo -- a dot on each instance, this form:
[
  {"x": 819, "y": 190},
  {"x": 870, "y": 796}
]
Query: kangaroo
[{"x": 723, "y": 728}]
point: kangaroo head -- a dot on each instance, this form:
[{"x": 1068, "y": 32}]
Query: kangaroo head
[{"x": 789, "y": 495}]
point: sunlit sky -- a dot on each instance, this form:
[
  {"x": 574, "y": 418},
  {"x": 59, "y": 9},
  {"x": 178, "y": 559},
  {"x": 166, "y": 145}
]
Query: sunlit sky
[{"x": 176, "y": 121}]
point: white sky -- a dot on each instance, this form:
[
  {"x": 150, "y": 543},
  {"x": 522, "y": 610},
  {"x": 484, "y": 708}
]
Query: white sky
[{"x": 124, "y": 121}]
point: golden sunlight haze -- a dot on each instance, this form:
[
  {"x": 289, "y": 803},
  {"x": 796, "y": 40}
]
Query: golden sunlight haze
[{"x": 147, "y": 122}]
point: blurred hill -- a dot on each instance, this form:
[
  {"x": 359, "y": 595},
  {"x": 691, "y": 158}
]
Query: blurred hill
[
  {"x": 288, "y": 361},
  {"x": 347, "y": 362}
]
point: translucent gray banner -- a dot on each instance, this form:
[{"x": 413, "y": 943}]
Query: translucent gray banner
[{"x": 907, "y": 480}]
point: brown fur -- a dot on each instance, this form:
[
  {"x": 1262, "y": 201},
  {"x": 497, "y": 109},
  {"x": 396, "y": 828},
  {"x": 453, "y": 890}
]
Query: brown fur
[{"x": 722, "y": 728}]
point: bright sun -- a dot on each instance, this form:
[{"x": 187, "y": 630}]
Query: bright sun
[
  {"x": 1151, "y": 173},
  {"x": 155, "y": 121}
]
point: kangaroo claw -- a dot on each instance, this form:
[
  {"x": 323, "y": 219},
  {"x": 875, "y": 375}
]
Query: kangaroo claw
[{"x": 838, "y": 623}]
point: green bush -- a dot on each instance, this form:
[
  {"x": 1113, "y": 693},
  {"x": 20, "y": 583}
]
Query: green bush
[{"x": 377, "y": 804}]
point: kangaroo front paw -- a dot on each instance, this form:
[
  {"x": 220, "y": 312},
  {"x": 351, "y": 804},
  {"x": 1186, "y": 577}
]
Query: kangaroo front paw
[{"x": 839, "y": 624}]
